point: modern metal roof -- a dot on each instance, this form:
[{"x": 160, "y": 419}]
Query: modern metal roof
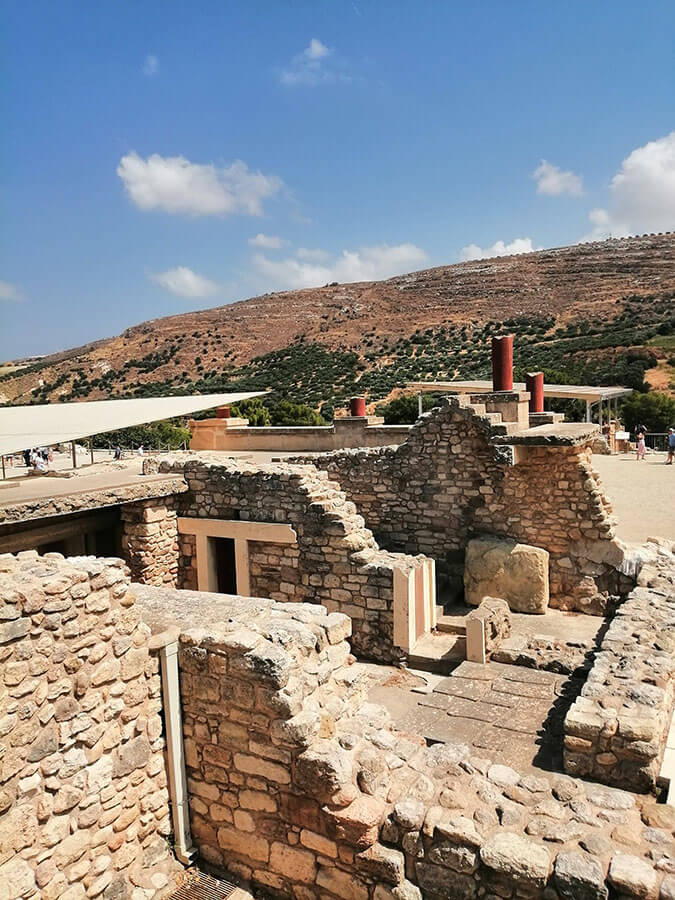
[
  {"x": 23, "y": 427},
  {"x": 590, "y": 393}
]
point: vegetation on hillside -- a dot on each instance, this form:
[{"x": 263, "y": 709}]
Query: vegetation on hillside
[{"x": 308, "y": 380}]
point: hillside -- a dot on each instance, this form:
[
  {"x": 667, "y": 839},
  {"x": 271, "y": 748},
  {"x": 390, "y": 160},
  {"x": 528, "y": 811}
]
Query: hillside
[{"x": 600, "y": 312}]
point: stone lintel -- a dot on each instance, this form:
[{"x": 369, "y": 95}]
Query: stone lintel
[{"x": 557, "y": 434}]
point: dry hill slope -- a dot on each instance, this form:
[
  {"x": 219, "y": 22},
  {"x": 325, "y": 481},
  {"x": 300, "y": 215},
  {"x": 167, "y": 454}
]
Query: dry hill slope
[{"x": 557, "y": 288}]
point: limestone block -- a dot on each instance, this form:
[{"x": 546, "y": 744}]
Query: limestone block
[{"x": 501, "y": 567}]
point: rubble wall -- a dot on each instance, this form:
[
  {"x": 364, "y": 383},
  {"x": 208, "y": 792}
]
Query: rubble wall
[
  {"x": 300, "y": 786},
  {"x": 335, "y": 561},
  {"x": 449, "y": 482},
  {"x": 150, "y": 540},
  {"x": 83, "y": 797},
  {"x": 616, "y": 730}
]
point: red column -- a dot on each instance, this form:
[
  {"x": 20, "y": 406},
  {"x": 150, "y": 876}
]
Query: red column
[
  {"x": 357, "y": 406},
  {"x": 534, "y": 383},
  {"x": 502, "y": 363},
  {"x": 223, "y": 412}
]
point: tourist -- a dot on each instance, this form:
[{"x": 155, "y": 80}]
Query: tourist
[
  {"x": 140, "y": 450},
  {"x": 641, "y": 449},
  {"x": 118, "y": 452},
  {"x": 26, "y": 458},
  {"x": 671, "y": 446}
]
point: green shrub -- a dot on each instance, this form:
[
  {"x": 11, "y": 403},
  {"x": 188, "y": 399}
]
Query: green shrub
[
  {"x": 654, "y": 410},
  {"x": 258, "y": 415},
  {"x": 403, "y": 410},
  {"x": 288, "y": 413}
]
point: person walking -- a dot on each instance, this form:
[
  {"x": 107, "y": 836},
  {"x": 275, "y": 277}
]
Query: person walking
[
  {"x": 641, "y": 448},
  {"x": 671, "y": 446}
]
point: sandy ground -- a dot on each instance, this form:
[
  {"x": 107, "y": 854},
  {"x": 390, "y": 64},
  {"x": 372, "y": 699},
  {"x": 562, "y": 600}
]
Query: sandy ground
[{"x": 642, "y": 494}]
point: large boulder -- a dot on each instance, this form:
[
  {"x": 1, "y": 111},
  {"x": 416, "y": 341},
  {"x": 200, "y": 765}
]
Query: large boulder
[{"x": 501, "y": 567}]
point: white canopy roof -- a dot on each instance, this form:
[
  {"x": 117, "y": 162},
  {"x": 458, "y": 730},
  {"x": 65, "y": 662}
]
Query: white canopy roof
[
  {"x": 23, "y": 427},
  {"x": 590, "y": 393}
]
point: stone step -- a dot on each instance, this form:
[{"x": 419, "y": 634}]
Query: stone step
[
  {"x": 506, "y": 427},
  {"x": 438, "y": 653},
  {"x": 453, "y": 623}
]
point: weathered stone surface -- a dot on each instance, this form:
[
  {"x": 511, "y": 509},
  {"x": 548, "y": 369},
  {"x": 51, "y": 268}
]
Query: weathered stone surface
[
  {"x": 132, "y": 755},
  {"x": 382, "y": 863},
  {"x": 342, "y": 884},
  {"x": 323, "y": 770},
  {"x": 518, "y": 573},
  {"x": 358, "y": 823},
  {"x": 632, "y": 876},
  {"x": 438, "y": 881},
  {"x": 579, "y": 877},
  {"x": 516, "y": 857},
  {"x": 293, "y": 863}
]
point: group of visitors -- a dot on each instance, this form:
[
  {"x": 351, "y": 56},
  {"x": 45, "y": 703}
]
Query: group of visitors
[
  {"x": 641, "y": 450},
  {"x": 118, "y": 453},
  {"x": 38, "y": 458}
]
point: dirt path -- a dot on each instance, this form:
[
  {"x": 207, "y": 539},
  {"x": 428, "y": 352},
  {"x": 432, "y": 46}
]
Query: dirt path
[{"x": 642, "y": 494}]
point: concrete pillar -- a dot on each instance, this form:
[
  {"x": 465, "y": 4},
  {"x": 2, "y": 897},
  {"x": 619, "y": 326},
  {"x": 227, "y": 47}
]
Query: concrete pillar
[
  {"x": 534, "y": 383},
  {"x": 223, "y": 412},
  {"x": 502, "y": 363},
  {"x": 357, "y": 407}
]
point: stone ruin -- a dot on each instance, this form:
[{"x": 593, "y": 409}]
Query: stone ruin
[
  {"x": 149, "y": 721},
  {"x": 294, "y": 782}
]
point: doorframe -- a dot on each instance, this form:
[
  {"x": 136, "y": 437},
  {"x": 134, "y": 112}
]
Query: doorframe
[{"x": 241, "y": 532}]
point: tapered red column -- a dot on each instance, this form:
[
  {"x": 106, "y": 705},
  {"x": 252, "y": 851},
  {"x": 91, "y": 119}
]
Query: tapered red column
[
  {"x": 502, "y": 363},
  {"x": 357, "y": 406},
  {"x": 534, "y": 383}
]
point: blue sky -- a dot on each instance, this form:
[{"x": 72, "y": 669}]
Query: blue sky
[{"x": 165, "y": 157}]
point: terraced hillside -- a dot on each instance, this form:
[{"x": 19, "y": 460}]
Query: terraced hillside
[{"x": 593, "y": 313}]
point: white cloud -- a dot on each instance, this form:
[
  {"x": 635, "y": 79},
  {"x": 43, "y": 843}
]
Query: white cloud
[
  {"x": 604, "y": 227},
  {"x": 316, "y": 50},
  {"x": 9, "y": 291},
  {"x": 643, "y": 190},
  {"x": 175, "y": 185},
  {"x": 553, "y": 181},
  {"x": 316, "y": 64},
  {"x": 312, "y": 255},
  {"x": 151, "y": 65},
  {"x": 186, "y": 283},
  {"x": 641, "y": 194},
  {"x": 364, "y": 264},
  {"x": 267, "y": 241},
  {"x": 499, "y": 248}
]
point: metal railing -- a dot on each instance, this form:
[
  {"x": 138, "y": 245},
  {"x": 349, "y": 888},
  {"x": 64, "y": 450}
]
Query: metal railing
[{"x": 657, "y": 440}]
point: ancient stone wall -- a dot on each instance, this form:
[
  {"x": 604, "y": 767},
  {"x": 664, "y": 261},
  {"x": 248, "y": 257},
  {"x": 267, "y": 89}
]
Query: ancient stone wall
[
  {"x": 300, "y": 786},
  {"x": 451, "y": 480},
  {"x": 83, "y": 797},
  {"x": 150, "y": 540},
  {"x": 187, "y": 562},
  {"x": 274, "y": 570},
  {"x": 335, "y": 560},
  {"x": 616, "y": 730}
]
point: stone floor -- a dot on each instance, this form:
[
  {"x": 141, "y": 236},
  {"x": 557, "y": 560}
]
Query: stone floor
[{"x": 510, "y": 713}]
